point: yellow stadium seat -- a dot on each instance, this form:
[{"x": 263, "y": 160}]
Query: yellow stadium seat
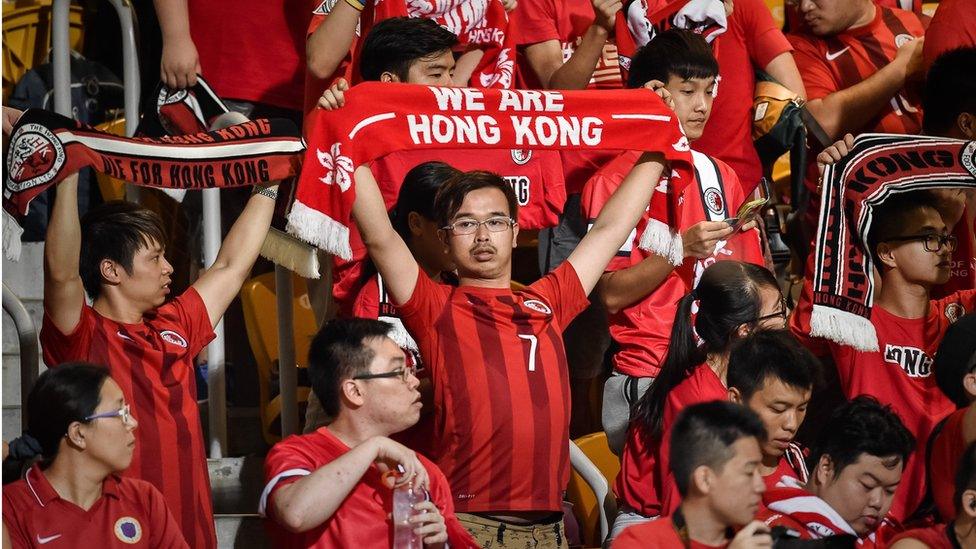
[
  {"x": 27, "y": 38},
  {"x": 585, "y": 485},
  {"x": 777, "y": 9},
  {"x": 261, "y": 321}
]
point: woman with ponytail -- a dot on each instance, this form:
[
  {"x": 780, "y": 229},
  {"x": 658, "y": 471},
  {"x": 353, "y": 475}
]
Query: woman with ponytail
[{"x": 732, "y": 299}]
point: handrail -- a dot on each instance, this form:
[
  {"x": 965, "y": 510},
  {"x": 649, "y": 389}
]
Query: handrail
[
  {"x": 29, "y": 347},
  {"x": 287, "y": 367}
]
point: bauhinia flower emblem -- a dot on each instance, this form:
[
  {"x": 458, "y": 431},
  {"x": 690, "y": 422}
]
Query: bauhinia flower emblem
[{"x": 339, "y": 167}]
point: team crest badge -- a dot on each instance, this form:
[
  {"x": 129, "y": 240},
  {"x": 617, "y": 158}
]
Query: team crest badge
[
  {"x": 539, "y": 306},
  {"x": 714, "y": 202},
  {"x": 954, "y": 311},
  {"x": 968, "y": 158},
  {"x": 128, "y": 530},
  {"x": 903, "y": 39},
  {"x": 169, "y": 336},
  {"x": 36, "y": 157},
  {"x": 521, "y": 156}
]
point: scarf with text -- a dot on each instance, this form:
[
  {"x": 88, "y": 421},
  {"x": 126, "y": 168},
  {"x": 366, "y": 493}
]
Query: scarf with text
[
  {"x": 821, "y": 520},
  {"x": 878, "y": 166},
  {"x": 374, "y": 123}
]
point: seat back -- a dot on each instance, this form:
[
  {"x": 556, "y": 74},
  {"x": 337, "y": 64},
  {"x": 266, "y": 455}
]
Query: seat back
[
  {"x": 595, "y": 468},
  {"x": 27, "y": 38},
  {"x": 261, "y": 321}
]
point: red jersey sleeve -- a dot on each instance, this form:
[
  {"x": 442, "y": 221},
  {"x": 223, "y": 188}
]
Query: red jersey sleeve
[
  {"x": 817, "y": 78},
  {"x": 284, "y": 464},
  {"x": 564, "y": 291},
  {"x": 425, "y": 303},
  {"x": 800, "y": 321},
  {"x": 965, "y": 301},
  {"x": 190, "y": 312},
  {"x": 535, "y": 21},
  {"x": 59, "y": 347},
  {"x": 367, "y": 302},
  {"x": 165, "y": 532},
  {"x": 764, "y": 39}
]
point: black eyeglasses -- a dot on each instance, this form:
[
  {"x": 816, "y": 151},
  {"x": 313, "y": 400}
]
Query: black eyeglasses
[
  {"x": 782, "y": 313},
  {"x": 402, "y": 373},
  {"x": 933, "y": 241}
]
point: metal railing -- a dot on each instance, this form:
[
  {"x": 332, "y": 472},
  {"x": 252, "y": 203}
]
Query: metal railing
[{"x": 29, "y": 347}]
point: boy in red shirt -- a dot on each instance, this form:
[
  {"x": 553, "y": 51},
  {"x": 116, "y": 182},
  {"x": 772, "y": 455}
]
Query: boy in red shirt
[
  {"x": 856, "y": 465},
  {"x": 715, "y": 457},
  {"x": 333, "y": 487}
]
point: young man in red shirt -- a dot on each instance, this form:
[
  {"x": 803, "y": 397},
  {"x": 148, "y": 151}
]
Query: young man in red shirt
[
  {"x": 640, "y": 290},
  {"x": 715, "y": 456},
  {"x": 772, "y": 374},
  {"x": 334, "y": 487},
  {"x": 115, "y": 255},
  {"x": 74, "y": 496},
  {"x": 856, "y": 466}
]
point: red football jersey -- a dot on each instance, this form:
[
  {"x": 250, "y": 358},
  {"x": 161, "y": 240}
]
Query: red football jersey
[
  {"x": 363, "y": 519},
  {"x": 934, "y": 537},
  {"x": 791, "y": 465},
  {"x": 645, "y": 482},
  {"x": 265, "y": 32},
  {"x": 900, "y": 374},
  {"x": 659, "y": 533},
  {"x": 130, "y": 513},
  {"x": 643, "y": 330},
  {"x": 153, "y": 364},
  {"x": 947, "y": 449},
  {"x": 501, "y": 387},
  {"x": 953, "y": 26}
]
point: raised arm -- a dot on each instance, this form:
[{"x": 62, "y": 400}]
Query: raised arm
[
  {"x": 388, "y": 251},
  {"x": 64, "y": 293},
  {"x": 617, "y": 218},
  {"x": 330, "y": 42},
  {"x": 223, "y": 280},
  {"x": 180, "y": 63}
]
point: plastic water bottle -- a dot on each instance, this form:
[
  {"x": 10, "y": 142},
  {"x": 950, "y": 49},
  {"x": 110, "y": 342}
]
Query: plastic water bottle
[{"x": 404, "y": 499}]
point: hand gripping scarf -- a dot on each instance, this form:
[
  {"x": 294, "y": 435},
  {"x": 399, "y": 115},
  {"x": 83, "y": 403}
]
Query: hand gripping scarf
[
  {"x": 878, "y": 166},
  {"x": 374, "y": 123}
]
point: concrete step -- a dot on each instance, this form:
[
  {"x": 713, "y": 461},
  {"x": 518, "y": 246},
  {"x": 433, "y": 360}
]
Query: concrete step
[
  {"x": 237, "y": 483},
  {"x": 241, "y": 531}
]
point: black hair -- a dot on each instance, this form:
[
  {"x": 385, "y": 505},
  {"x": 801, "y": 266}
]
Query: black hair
[
  {"x": 770, "y": 354},
  {"x": 674, "y": 52},
  {"x": 394, "y": 44},
  {"x": 728, "y": 297},
  {"x": 955, "y": 359},
  {"x": 451, "y": 194},
  {"x": 115, "y": 230},
  {"x": 417, "y": 194},
  {"x": 61, "y": 396},
  {"x": 965, "y": 475},
  {"x": 704, "y": 434},
  {"x": 339, "y": 352},
  {"x": 862, "y": 426},
  {"x": 890, "y": 217},
  {"x": 950, "y": 90}
]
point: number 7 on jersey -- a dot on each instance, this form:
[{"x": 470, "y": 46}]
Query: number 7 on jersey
[{"x": 533, "y": 343}]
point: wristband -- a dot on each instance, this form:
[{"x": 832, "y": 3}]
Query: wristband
[
  {"x": 270, "y": 192},
  {"x": 360, "y": 5}
]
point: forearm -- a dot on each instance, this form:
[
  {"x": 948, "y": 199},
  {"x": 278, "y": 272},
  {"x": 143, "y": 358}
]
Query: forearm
[
  {"x": 240, "y": 248},
  {"x": 465, "y": 66},
  {"x": 174, "y": 19},
  {"x": 309, "y": 502},
  {"x": 576, "y": 72},
  {"x": 620, "y": 289},
  {"x": 783, "y": 69},
  {"x": 330, "y": 42},
  {"x": 848, "y": 110},
  {"x": 62, "y": 247}
]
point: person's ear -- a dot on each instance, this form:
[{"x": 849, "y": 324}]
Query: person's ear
[
  {"x": 76, "y": 436},
  {"x": 353, "y": 392},
  {"x": 111, "y": 271},
  {"x": 969, "y": 503},
  {"x": 966, "y": 122},
  {"x": 515, "y": 234},
  {"x": 388, "y": 76},
  {"x": 735, "y": 396},
  {"x": 886, "y": 255},
  {"x": 824, "y": 472},
  {"x": 969, "y": 384},
  {"x": 415, "y": 223},
  {"x": 702, "y": 478},
  {"x": 743, "y": 330}
]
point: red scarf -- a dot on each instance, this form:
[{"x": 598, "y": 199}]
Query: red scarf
[
  {"x": 374, "y": 123},
  {"x": 878, "y": 166}
]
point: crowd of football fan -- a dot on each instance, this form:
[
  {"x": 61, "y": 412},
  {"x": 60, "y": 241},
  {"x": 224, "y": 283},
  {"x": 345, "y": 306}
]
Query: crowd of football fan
[{"x": 435, "y": 370}]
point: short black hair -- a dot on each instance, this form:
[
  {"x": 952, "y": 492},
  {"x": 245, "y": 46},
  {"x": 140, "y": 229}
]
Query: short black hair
[
  {"x": 396, "y": 43},
  {"x": 417, "y": 194},
  {"x": 889, "y": 217},
  {"x": 61, "y": 396},
  {"x": 965, "y": 476},
  {"x": 955, "y": 359},
  {"x": 765, "y": 354},
  {"x": 676, "y": 52},
  {"x": 704, "y": 434},
  {"x": 339, "y": 352},
  {"x": 451, "y": 194},
  {"x": 862, "y": 426},
  {"x": 115, "y": 230},
  {"x": 950, "y": 90}
]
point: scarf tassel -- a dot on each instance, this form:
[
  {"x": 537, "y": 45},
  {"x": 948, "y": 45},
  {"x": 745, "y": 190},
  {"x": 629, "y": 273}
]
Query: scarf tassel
[
  {"x": 12, "y": 232},
  {"x": 843, "y": 327},
  {"x": 660, "y": 240},
  {"x": 317, "y": 228}
]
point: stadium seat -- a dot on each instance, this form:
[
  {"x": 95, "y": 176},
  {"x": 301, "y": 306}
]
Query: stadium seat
[
  {"x": 261, "y": 320},
  {"x": 595, "y": 468},
  {"x": 27, "y": 38}
]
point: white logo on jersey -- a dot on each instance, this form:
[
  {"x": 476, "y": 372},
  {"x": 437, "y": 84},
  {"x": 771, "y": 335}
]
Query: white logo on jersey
[
  {"x": 954, "y": 311},
  {"x": 912, "y": 360},
  {"x": 521, "y": 156},
  {"x": 831, "y": 56},
  {"x": 169, "y": 336},
  {"x": 539, "y": 306},
  {"x": 903, "y": 39}
]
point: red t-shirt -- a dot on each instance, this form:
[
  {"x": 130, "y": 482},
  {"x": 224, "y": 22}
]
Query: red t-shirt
[
  {"x": 657, "y": 534},
  {"x": 645, "y": 482},
  {"x": 153, "y": 364},
  {"x": 791, "y": 465},
  {"x": 934, "y": 537},
  {"x": 130, "y": 513},
  {"x": 947, "y": 449},
  {"x": 953, "y": 26},
  {"x": 267, "y": 33},
  {"x": 642, "y": 330},
  {"x": 501, "y": 387},
  {"x": 899, "y": 374},
  {"x": 363, "y": 519}
]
